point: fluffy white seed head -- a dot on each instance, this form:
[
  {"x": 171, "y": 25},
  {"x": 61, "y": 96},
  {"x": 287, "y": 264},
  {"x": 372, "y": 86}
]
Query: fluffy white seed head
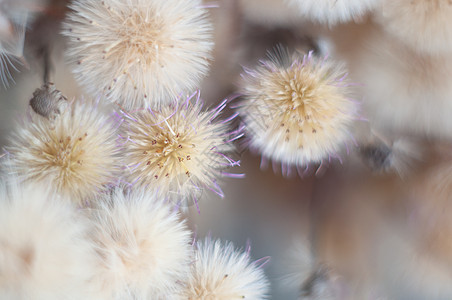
[
  {"x": 140, "y": 53},
  {"x": 220, "y": 272},
  {"x": 297, "y": 109},
  {"x": 177, "y": 151},
  {"x": 76, "y": 151},
  {"x": 424, "y": 25},
  {"x": 45, "y": 252},
  {"x": 333, "y": 11},
  {"x": 144, "y": 247}
]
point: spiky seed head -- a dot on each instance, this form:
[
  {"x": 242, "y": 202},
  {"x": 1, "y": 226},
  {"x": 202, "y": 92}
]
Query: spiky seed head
[
  {"x": 220, "y": 272},
  {"x": 297, "y": 108},
  {"x": 178, "y": 150},
  {"x": 425, "y": 26},
  {"x": 77, "y": 151},
  {"x": 334, "y": 11},
  {"x": 144, "y": 247},
  {"x": 45, "y": 252},
  {"x": 140, "y": 53}
]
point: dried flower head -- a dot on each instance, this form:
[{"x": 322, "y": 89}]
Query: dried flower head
[
  {"x": 297, "y": 109},
  {"x": 144, "y": 247},
  {"x": 76, "y": 151},
  {"x": 179, "y": 150},
  {"x": 45, "y": 252},
  {"x": 48, "y": 101},
  {"x": 424, "y": 25},
  {"x": 334, "y": 11},
  {"x": 220, "y": 272},
  {"x": 139, "y": 52}
]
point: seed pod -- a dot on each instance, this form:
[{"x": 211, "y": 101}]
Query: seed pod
[{"x": 48, "y": 102}]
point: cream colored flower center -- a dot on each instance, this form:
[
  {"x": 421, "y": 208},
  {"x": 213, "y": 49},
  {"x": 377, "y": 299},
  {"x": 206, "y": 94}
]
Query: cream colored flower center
[
  {"x": 171, "y": 153},
  {"x": 66, "y": 154}
]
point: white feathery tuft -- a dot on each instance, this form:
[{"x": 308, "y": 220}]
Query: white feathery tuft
[
  {"x": 45, "y": 252},
  {"x": 76, "y": 151},
  {"x": 139, "y": 53},
  {"x": 297, "y": 108},
  {"x": 179, "y": 150},
  {"x": 144, "y": 248},
  {"x": 222, "y": 273}
]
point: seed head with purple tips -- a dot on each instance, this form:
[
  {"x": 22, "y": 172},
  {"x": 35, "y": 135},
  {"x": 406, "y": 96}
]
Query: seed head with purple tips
[
  {"x": 221, "y": 272},
  {"x": 179, "y": 150},
  {"x": 297, "y": 108}
]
